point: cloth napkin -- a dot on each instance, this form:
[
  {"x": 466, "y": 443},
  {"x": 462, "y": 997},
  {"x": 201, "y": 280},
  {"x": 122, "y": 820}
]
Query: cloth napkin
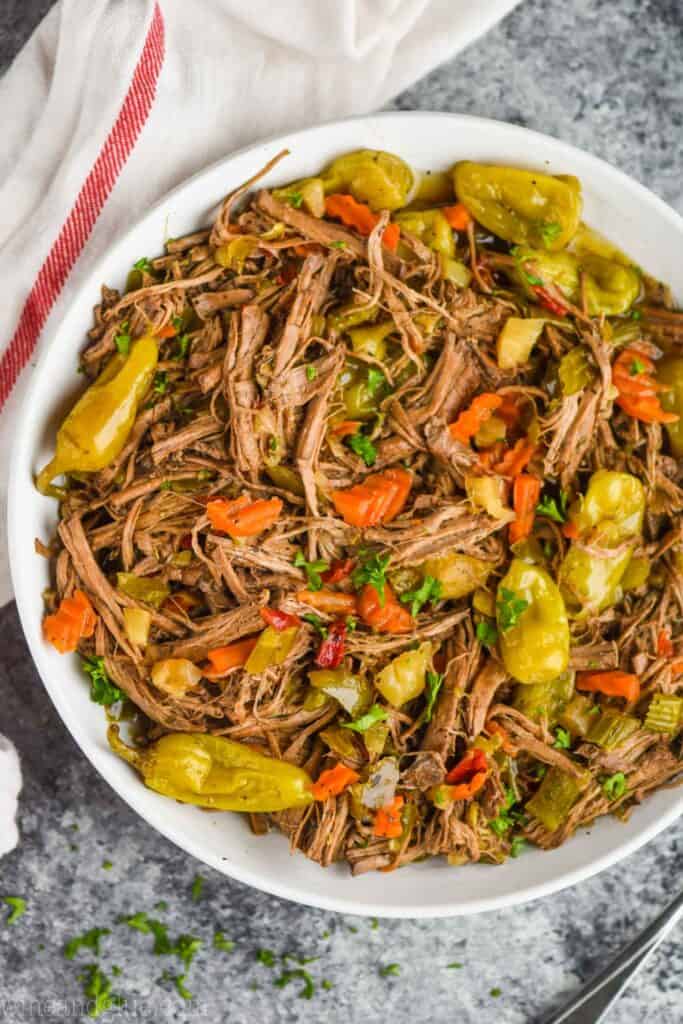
[{"x": 114, "y": 102}]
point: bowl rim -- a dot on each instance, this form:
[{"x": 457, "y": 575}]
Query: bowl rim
[{"x": 176, "y": 834}]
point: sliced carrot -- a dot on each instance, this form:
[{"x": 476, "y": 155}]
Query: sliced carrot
[
  {"x": 506, "y": 742},
  {"x": 571, "y": 530},
  {"x": 468, "y": 422},
  {"x": 457, "y": 216},
  {"x": 515, "y": 459},
  {"x": 526, "y": 491},
  {"x": 241, "y": 517},
  {"x": 647, "y": 408},
  {"x": 359, "y": 216},
  {"x": 665, "y": 648},
  {"x": 334, "y": 781},
  {"x": 332, "y": 602},
  {"x": 612, "y": 684},
  {"x": 345, "y": 428},
  {"x": 168, "y": 331},
  {"x": 223, "y": 659},
  {"x": 74, "y": 619},
  {"x": 387, "y": 616},
  {"x": 677, "y": 666},
  {"x": 403, "y": 481},
  {"x": 633, "y": 376},
  {"x": 509, "y": 411},
  {"x": 379, "y": 498},
  {"x": 388, "y": 824}
]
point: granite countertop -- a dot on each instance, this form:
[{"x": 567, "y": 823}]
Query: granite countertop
[{"x": 605, "y": 76}]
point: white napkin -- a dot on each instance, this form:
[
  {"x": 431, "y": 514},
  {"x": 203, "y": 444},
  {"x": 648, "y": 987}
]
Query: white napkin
[
  {"x": 113, "y": 102},
  {"x": 10, "y": 784}
]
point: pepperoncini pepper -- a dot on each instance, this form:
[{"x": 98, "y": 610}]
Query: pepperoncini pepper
[
  {"x": 272, "y": 647},
  {"x": 217, "y": 773},
  {"x": 520, "y": 206},
  {"x": 97, "y": 428},
  {"x": 382, "y": 180},
  {"x": 670, "y": 373},
  {"x": 545, "y": 700},
  {"x": 150, "y": 589},
  {"x": 609, "y": 287},
  {"x": 431, "y": 227},
  {"x": 532, "y": 624},
  {"x": 404, "y": 678},
  {"x": 458, "y": 574},
  {"x": 608, "y": 516}
]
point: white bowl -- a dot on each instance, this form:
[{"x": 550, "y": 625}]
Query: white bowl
[{"x": 627, "y": 213}]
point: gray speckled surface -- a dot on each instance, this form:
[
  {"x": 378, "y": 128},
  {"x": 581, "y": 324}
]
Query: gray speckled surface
[{"x": 606, "y": 76}]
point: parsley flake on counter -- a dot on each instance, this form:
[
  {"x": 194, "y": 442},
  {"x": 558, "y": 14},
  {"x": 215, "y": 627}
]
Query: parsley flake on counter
[
  {"x": 17, "y": 907},
  {"x": 197, "y": 887},
  {"x": 307, "y": 992},
  {"x": 390, "y": 970},
  {"x": 107, "y": 865},
  {"x": 89, "y": 940},
  {"x": 97, "y": 987},
  {"x": 454, "y": 966},
  {"x": 220, "y": 942},
  {"x": 266, "y": 957},
  {"x": 495, "y": 992}
]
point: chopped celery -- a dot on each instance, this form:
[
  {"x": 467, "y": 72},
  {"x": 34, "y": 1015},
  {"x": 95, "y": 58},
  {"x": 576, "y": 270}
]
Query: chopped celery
[
  {"x": 665, "y": 714},
  {"x": 555, "y": 797},
  {"x": 612, "y": 729},
  {"x": 579, "y": 714}
]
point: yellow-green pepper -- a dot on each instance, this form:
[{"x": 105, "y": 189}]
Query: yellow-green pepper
[
  {"x": 97, "y": 428},
  {"x": 609, "y": 287},
  {"x": 525, "y": 207},
  {"x": 350, "y": 315},
  {"x": 431, "y": 227},
  {"x": 308, "y": 193},
  {"x": 235, "y": 254},
  {"x": 382, "y": 180},
  {"x": 272, "y": 647},
  {"x": 150, "y": 589},
  {"x": 215, "y": 772},
  {"x": 286, "y": 478},
  {"x": 608, "y": 516},
  {"x": 670, "y": 373},
  {"x": 404, "y": 678},
  {"x": 371, "y": 341},
  {"x": 545, "y": 700},
  {"x": 532, "y": 624},
  {"x": 352, "y": 692},
  {"x": 458, "y": 574},
  {"x": 574, "y": 371},
  {"x": 579, "y": 714}
]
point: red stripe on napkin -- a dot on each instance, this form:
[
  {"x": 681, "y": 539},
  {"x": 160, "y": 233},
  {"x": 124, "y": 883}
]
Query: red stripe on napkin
[{"x": 85, "y": 211}]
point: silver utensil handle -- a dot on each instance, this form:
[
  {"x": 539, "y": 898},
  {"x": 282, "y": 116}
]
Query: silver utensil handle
[{"x": 592, "y": 1004}]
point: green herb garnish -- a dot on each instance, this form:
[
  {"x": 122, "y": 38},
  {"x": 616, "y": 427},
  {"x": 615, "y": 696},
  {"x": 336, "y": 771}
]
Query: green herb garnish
[
  {"x": 391, "y": 970},
  {"x": 553, "y": 509},
  {"x": 428, "y": 591},
  {"x": 371, "y": 569},
  {"x": 614, "y": 786},
  {"x": 376, "y": 714},
  {"x": 183, "y": 345},
  {"x": 294, "y": 199},
  {"x": 636, "y": 314},
  {"x": 636, "y": 367},
  {"x": 517, "y": 845},
  {"x": 549, "y": 233},
  {"x": 563, "y": 740},
  {"x": 89, "y": 940},
  {"x": 486, "y": 634},
  {"x": 17, "y": 907},
  {"x": 97, "y": 987},
  {"x": 316, "y": 622},
  {"x": 160, "y": 384},
  {"x": 142, "y": 264},
  {"x": 197, "y": 886},
  {"x": 434, "y": 684},
  {"x": 363, "y": 447},
  {"x": 506, "y": 817},
  {"x": 122, "y": 340},
  {"x": 220, "y": 942},
  {"x": 532, "y": 278},
  {"x": 510, "y": 607},
  {"x": 102, "y": 690},
  {"x": 376, "y": 380},
  {"x": 312, "y": 569},
  {"x": 266, "y": 957},
  {"x": 307, "y": 992},
  {"x": 311, "y": 372},
  {"x": 338, "y": 245}
]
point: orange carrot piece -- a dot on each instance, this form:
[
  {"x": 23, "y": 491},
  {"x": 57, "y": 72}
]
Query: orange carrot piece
[
  {"x": 390, "y": 238},
  {"x": 403, "y": 481},
  {"x": 647, "y": 409},
  {"x": 677, "y": 666},
  {"x": 665, "y": 648},
  {"x": 468, "y": 422},
  {"x": 168, "y": 331},
  {"x": 506, "y": 742},
  {"x": 74, "y": 619},
  {"x": 332, "y": 602},
  {"x": 526, "y": 491},
  {"x": 570, "y": 530},
  {"x": 385, "y": 617},
  {"x": 633, "y": 376},
  {"x": 345, "y": 428},
  {"x": 612, "y": 684},
  {"x": 515, "y": 460},
  {"x": 334, "y": 781},
  {"x": 359, "y": 216},
  {"x": 388, "y": 824},
  {"x": 241, "y": 517},
  {"x": 457, "y": 216},
  {"x": 379, "y": 498},
  {"x": 223, "y": 659}
]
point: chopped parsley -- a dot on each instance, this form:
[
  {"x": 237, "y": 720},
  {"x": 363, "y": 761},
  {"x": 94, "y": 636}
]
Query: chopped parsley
[
  {"x": 97, "y": 987},
  {"x": 376, "y": 714},
  {"x": 266, "y": 957},
  {"x": 179, "y": 982},
  {"x": 351, "y": 623},
  {"x": 294, "y": 199},
  {"x": 89, "y": 940},
  {"x": 317, "y": 623},
  {"x": 390, "y": 970},
  {"x": 376, "y": 380},
  {"x": 178, "y": 323},
  {"x": 495, "y": 992},
  {"x": 486, "y": 634},
  {"x": 636, "y": 367},
  {"x": 428, "y": 591},
  {"x": 307, "y": 992},
  {"x": 161, "y": 906},
  {"x": 107, "y": 865},
  {"x": 371, "y": 569},
  {"x": 517, "y": 845},
  {"x": 455, "y": 966},
  {"x": 434, "y": 684},
  {"x": 550, "y": 232},
  {"x": 553, "y": 508},
  {"x": 160, "y": 385},
  {"x": 363, "y": 447},
  {"x": 183, "y": 346},
  {"x": 374, "y": 923},
  {"x": 510, "y": 607},
  {"x": 142, "y": 264},
  {"x": 311, "y": 372},
  {"x": 312, "y": 570},
  {"x": 532, "y": 278},
  {"x": 102, "y": 690},
  {"x": 563, "y": 740},
  {"x": 338, "y": 245},
  {"x": 636, "y": 314},
  {"x": 122, "y": 340},
  {"x": 17, "y": 907},
  {"x": 197, "y": 886},
  {"x": 220, "y": 942},
  {"x": 614, "y": 786},
  {"x": 507, "y": 817},
  {"x": 326, "y": 984}
]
